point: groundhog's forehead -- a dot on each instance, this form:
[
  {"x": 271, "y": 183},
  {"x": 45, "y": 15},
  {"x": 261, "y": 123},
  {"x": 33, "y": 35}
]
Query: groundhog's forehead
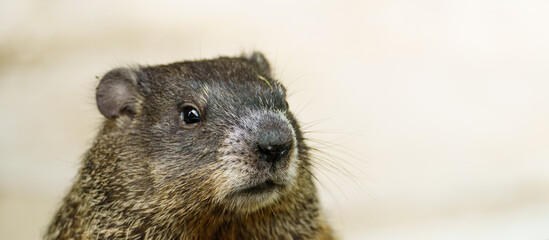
[
  {"x": 225, "y": 71},
  {"x": 223, "y": 79}
]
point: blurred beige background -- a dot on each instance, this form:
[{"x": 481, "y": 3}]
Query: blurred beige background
[{"x": 436, "y": 113}]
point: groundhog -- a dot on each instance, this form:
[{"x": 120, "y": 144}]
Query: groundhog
[{"x": 194, "y": 150}]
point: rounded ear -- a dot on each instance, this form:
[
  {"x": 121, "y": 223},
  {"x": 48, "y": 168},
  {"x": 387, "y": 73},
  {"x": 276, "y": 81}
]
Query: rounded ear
[
  {"x": 116, "y": 94},
  {"x": 261, "y": 62}
]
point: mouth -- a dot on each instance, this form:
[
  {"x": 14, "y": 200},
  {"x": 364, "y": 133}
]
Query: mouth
[{"x": 261, "y": 188}]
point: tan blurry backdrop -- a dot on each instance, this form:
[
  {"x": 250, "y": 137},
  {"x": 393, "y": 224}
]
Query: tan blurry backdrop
[{"x": 436, "y": 113}]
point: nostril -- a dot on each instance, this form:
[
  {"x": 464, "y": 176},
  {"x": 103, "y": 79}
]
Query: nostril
[{"x": 272, "y": 152}]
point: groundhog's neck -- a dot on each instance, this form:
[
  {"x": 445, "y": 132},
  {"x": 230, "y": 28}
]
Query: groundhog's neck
[
  {"x": 298, "y": 218},
  {"x": 123, "y": 205},
  {"x": 294, "y": 216}
]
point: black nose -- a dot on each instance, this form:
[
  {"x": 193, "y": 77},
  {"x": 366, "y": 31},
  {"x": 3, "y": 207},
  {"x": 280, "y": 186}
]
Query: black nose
[
  {"x": 273, "y": 140},
  {"x": 273, "y": 152}
]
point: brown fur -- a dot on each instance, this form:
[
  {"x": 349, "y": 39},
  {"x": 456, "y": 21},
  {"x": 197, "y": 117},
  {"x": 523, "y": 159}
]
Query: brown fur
[{"x": 150, "y": 176}]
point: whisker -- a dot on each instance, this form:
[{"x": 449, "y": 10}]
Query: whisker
[
  {"x": 333, "y": 158},
  {"x": 298, "y": 112},
  {"x": 311, "y": 124},
  {"x": 286, "y": 65},
  {"x": 339, "y": 148},
  {"x": 296, "y": 79},
  {"x": 323, "y": 186}
]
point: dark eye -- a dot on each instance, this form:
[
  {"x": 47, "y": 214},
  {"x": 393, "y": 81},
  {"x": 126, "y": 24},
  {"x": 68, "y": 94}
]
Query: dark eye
[{"x": 190, "y": 115}]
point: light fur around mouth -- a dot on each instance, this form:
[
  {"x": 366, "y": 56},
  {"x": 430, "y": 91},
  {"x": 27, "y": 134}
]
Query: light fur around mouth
[{"x": 238, "y": 177}]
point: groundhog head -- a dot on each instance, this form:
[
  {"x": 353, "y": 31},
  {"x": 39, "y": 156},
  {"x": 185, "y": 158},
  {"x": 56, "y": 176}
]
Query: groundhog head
[{"x": 215, "y": 133}]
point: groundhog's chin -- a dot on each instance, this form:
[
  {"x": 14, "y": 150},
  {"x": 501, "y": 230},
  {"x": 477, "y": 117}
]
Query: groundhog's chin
[
  {"x": 251, "y": 197},
  {"x": 254, "y": 197},
  {"x": 251, "y": 194}
]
